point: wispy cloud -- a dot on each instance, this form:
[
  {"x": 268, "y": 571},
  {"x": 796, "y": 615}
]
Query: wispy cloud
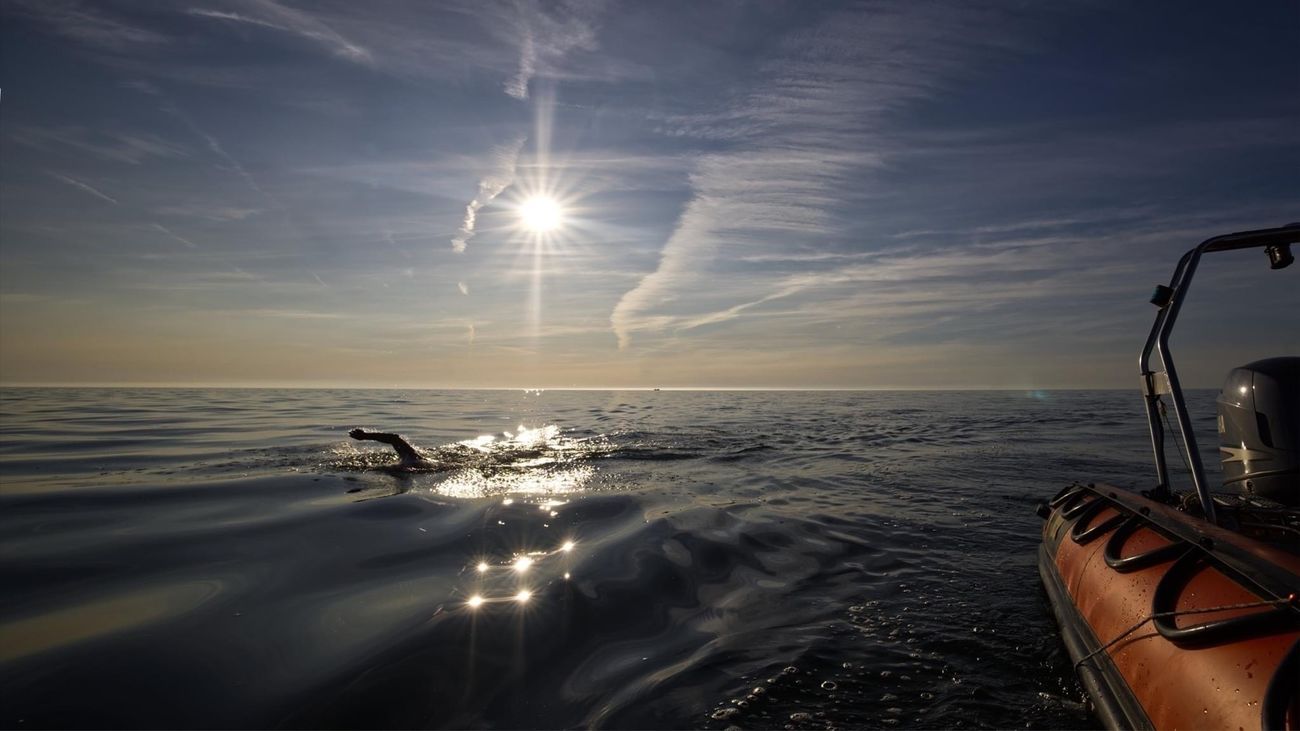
[
  {"x": 1018, "y": 285},
  {"x": 546, "y": 33},
  {"x": 215, "y": 146},
  {"x": 464, "y": 288},
  {"x": 130, "y": 148},
  {"x": 141, "y": 86},
  {"x": 273, "y": 15},
  {"x": 84, "y": 186},
  {"x": 798, "y": 150},
  {"x": 505, "y": 159},
  {"x": 22, "y": 298},
  {"x": 208, "y": 211},
  {"x": 283, "y": 314},
  {"x": 87, "y": 24},
  {"x": 517, "y": 85},
  {"x": 175, "y": 236}
]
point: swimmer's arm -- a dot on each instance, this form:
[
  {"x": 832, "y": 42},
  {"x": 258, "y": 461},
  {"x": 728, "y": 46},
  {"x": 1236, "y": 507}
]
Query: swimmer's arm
[{"x": 404, "y": 449}]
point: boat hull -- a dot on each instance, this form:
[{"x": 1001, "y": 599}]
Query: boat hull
[{"x": 1111, "y": 559}]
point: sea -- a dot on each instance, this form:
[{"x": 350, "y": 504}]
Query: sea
[{"x": 191, "y": 558}]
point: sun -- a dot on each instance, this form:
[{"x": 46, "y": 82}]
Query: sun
[{"x": 540, "y": 214}]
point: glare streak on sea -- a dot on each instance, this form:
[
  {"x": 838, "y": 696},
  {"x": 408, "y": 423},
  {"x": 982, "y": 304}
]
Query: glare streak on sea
[{"x": 622, "y": 559}]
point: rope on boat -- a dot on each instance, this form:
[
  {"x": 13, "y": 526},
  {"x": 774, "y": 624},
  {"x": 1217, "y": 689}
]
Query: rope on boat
[{"x": 1288, "y": 599}]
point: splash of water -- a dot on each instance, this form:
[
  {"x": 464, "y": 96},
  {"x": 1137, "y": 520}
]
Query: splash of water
[{"x": 537, "y": 461}]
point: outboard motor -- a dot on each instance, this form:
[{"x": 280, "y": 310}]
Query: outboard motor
[{"x": 1259, "y": 429}]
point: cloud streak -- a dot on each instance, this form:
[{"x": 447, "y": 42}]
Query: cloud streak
[
  {"x": 274, "y": 16},
  {"x": 84, "y": 186},
  {"x": 132, "y": 149},
  {"x": 505, "y": 160},
  {"x": 86, "y": 25},
  {"x": 545, "y": 35},
  {"x": 797, "y": 151},
  {"x": 175, "y": 236},
  {"x": 215, "y": 146}
]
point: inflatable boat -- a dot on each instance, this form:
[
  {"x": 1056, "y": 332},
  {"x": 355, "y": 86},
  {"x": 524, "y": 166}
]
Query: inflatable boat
[{"x": 1180, "y": 609}]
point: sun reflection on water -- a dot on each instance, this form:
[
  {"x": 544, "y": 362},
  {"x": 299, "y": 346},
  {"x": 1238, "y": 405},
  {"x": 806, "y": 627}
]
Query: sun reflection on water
[
  {"x": 472, "y": 483},
  {"x": 511, "y": 586},
  {"x": 546, "y": 435},
  {"x": 534, "y": 462},
  {"x": 528, "y": 461}
]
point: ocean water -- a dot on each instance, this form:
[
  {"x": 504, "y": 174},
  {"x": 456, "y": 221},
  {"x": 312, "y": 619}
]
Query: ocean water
[{"x": 620, "y": 559}]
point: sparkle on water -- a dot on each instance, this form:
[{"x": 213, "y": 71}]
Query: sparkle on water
[{"x": 694, "y": 516}]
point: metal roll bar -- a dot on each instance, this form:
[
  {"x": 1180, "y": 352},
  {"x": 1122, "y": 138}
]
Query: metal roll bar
[{"x": 1155, "y": 383}]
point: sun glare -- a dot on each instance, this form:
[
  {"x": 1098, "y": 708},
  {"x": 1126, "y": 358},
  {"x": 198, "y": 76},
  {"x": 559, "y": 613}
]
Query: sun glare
[{"x": 540, "y": 214}]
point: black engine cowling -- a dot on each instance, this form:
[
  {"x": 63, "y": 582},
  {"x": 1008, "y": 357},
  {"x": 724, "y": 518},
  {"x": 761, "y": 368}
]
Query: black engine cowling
[{"x": 1259, "y": 429}]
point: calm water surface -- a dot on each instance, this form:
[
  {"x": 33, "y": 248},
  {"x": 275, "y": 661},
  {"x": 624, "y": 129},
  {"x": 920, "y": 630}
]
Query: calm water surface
[{"x": 229, "y": 558}]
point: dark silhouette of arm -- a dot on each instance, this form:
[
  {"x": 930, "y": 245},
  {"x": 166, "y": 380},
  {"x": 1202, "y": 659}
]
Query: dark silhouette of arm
[{"x": 404, "y": 449}]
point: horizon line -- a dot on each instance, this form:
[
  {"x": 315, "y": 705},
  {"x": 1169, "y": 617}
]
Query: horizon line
[{"x": 354, "y": 387}]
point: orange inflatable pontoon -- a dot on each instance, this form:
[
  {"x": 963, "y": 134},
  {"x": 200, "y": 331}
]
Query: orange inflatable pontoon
[{"x": 1181, "y": 611}]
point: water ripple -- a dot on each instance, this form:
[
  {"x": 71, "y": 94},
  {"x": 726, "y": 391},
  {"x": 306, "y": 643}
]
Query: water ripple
[{"x": 621, "y": 559}]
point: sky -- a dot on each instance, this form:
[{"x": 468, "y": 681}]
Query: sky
[{"x": 749, "y": 194}]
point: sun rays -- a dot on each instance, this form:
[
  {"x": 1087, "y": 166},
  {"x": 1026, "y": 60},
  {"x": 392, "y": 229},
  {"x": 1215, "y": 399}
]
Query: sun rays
[
  {"x": 539, "y": 218},
  {"x": 540, "y": 214}
]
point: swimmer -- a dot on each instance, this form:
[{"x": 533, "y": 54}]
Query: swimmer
[{"x": 409, "y": 457}]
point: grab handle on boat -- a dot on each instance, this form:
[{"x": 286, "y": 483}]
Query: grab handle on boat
[
  {"x": 1164, "y": 610},
  {"x": 1114, "y": 551},
  {"x": 1280, "y": 698},
  {"x": 1066, "y": 494},
  {"x": 1076, "y": 505},
  {"x": 1081, "y": 533}
]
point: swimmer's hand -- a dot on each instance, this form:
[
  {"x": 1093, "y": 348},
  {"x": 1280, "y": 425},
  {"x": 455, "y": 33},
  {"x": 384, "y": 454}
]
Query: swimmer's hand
[{"x": 357, "y": 433}]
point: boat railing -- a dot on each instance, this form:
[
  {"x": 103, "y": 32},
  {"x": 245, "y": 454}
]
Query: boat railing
[{"x": 1157, "y": 383}]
